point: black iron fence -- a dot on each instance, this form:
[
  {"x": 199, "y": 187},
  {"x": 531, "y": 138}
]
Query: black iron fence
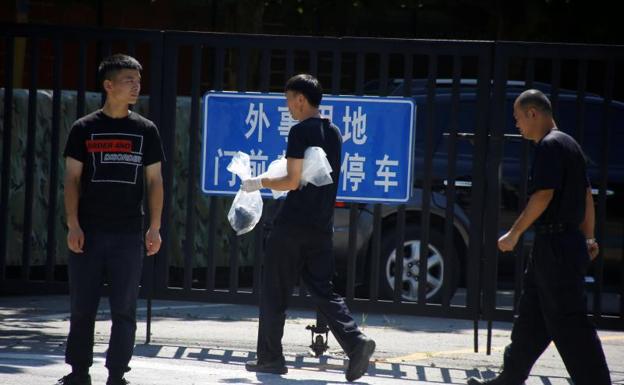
[{"x": 434, "y": 256}]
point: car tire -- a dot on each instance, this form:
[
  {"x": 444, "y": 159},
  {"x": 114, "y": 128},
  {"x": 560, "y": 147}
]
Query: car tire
[{"x": 437, "y": 262}]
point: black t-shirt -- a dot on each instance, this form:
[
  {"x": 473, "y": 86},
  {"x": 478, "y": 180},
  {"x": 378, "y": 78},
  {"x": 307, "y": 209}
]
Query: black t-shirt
[
  {"x": 113, "y": 153},
  {"x": 560, "y": 164},
  {"x": 312, "y": 206}
]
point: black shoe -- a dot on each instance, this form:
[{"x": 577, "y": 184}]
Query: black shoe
[
  {"x": 275, "y": 367},
  {"x": 117, "y": 381},
  {"x": 358, "y": 360},
  {"x": 74, "y": 379},
  {"x": 499, "y": 380}
]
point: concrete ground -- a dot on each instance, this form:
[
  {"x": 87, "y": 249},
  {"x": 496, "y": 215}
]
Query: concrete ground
[{"x": 199, "y": 343}]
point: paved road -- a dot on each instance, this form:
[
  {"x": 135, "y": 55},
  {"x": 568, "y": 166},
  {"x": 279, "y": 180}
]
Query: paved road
[{"x": 198, "y": 343}]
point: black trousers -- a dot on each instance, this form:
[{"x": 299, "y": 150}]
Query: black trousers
[
  {"x": 553, "y": 307},
  {"x": 293, "y": 252},
  {"x": 119, "y": 257}
]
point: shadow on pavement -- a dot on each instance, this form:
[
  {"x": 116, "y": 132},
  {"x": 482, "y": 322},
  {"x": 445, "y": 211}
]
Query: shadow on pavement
[{"x": 438, "y": 375}]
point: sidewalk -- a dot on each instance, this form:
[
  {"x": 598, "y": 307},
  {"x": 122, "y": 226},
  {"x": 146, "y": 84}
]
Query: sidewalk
[{"x": 199, "y": 343}]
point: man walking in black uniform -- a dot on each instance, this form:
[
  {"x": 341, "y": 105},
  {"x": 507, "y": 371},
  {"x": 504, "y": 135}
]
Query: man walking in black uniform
[
  {"x": 110, "y": 154},
  {"x": 300, "y": 243},
  {"x": 553, "y": 303}
]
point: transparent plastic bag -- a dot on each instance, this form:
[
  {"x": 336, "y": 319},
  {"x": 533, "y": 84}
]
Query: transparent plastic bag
[
  {"x": 277, "y": 169},
  {"x": 246, "y": 209},
  {"x": 316, "y": 168}
]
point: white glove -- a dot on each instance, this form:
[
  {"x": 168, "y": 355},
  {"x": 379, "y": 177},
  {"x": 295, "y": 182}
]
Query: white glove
[{"x": 251, "y": 184}]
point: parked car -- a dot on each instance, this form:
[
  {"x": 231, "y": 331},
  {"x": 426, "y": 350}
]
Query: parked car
[{"x": 441, "y": 257}]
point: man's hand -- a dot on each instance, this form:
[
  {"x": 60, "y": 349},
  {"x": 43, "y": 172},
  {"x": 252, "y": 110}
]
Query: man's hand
[
  {"x": 593, "y": 250},
  {"x": 508, "y": 241},
  {"x": 152, "y": 241},
  {"x": 75, "y": 239},
  {"x": 251, "y": 184}
]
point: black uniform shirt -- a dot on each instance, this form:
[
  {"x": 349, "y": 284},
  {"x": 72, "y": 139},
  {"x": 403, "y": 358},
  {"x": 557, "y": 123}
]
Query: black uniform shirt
[
  {"x": 312, "y": 206},
  {"x": 560, "y": 164}
]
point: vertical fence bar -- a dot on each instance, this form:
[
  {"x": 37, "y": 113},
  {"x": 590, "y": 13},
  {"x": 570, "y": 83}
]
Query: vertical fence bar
[
  {"x": 131, "y": 48},
  {"x": 265, "y": 70},
  {"x": 479, "y": 166},
  {"x": 408, "y": 74},
  {"x": 425, "y": 219},
  {"x": 313, "y": 63},
  {"x": 359, "y": 73},
  {"x": 353, "y": 208},
  {"x": 398, "y": 262},
  {"x": 448, "y": 272},
  {"x": 521, "y": 252},
  {"x": 30, "y": 158},
  {"x": 400, "y": 216},
  {"x": 82, "y": 76},
  {"x": 243, "y": 65},
  {"x": 212, "y": 236},
  {"x": 259, "y": 231},
  {"x": 7, "y": 139},
  {"x": 601, "y": 214},
  {"x": 215, "y": 201},
  {"x": 258, "y": 247},
  {"x": 170, "y": 81},
  {"x": 290, "y": 63},
  {"x": 234, "y": 253},
  {"x": 495, "y": 154},
  {"x": 556, "y": 81},
  {"x": 219, "y": 68},
  {"x": 336, "y": 71},
  {"x": 156, "y": 115},
  {"x": 54, "y": 158},
  {"x": 351, "y": 261},
  {"x": 580, "y": 102},
  {"x": 193, "y": 151},
  {"x": 106, "y": 47},
  {"x": 375, "y": 253},
  {"x": 383, "y": 73}
]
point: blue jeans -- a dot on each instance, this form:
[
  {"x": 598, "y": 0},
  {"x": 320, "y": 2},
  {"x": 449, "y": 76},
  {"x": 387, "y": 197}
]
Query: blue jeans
[{"x": 118, "y": 258}]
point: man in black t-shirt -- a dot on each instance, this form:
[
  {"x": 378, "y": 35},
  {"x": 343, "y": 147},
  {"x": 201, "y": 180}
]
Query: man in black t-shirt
[
  {"x": 110, "y": 154},
  {"x": 553, "y": 304},
  {"x": 300, "y": 243}
]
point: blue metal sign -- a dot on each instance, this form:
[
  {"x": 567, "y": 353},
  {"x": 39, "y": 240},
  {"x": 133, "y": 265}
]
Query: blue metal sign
[{"x": 377, "y": 133}]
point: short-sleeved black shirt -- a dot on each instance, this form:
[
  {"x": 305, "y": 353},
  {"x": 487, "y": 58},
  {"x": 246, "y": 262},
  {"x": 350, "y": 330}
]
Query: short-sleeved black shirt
[
  {"x": 312, "y": 206},
  {"x": 113, "y": 152},
  {"x": 560, "y": 164}
]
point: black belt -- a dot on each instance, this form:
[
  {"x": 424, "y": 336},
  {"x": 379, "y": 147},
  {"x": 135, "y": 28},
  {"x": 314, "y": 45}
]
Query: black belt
[{"x": 554, "y": 228}]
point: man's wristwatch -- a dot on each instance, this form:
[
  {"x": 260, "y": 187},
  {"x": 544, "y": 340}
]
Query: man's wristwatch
[{"x": 590, "y": 241}]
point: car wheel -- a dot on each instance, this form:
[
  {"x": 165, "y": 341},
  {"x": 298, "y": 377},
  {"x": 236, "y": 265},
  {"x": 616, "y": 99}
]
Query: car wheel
[{"x": 437, "y": 262}]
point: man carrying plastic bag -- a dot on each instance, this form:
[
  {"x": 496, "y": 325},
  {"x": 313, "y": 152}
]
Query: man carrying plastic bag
[
  {"x": 246, "y": 209},
  {"x": 300, "y": 243}
]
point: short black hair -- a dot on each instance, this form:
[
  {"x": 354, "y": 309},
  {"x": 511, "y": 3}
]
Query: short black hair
[
  {"x": 308, "y": 86},
  {"x": 110, "y": 66},
  {"x": 536, "y": 99}
]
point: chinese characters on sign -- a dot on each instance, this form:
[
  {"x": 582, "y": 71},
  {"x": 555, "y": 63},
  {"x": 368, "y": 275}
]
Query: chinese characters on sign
[{"x": 377, "y": 135}]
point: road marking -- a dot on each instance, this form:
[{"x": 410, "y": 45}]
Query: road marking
[{"x": 427, "y": 355}]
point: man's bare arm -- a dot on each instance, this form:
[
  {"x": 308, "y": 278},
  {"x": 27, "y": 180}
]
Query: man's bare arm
[
  {"x": 535, "y": 207},
  {"x": 288, "y": 182},
  {"x": 588, "y": 224},
  {"x": 587, "y": 227},
  {"x": 71, "y": 195},
  {"x": 155, "y": 196}
]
